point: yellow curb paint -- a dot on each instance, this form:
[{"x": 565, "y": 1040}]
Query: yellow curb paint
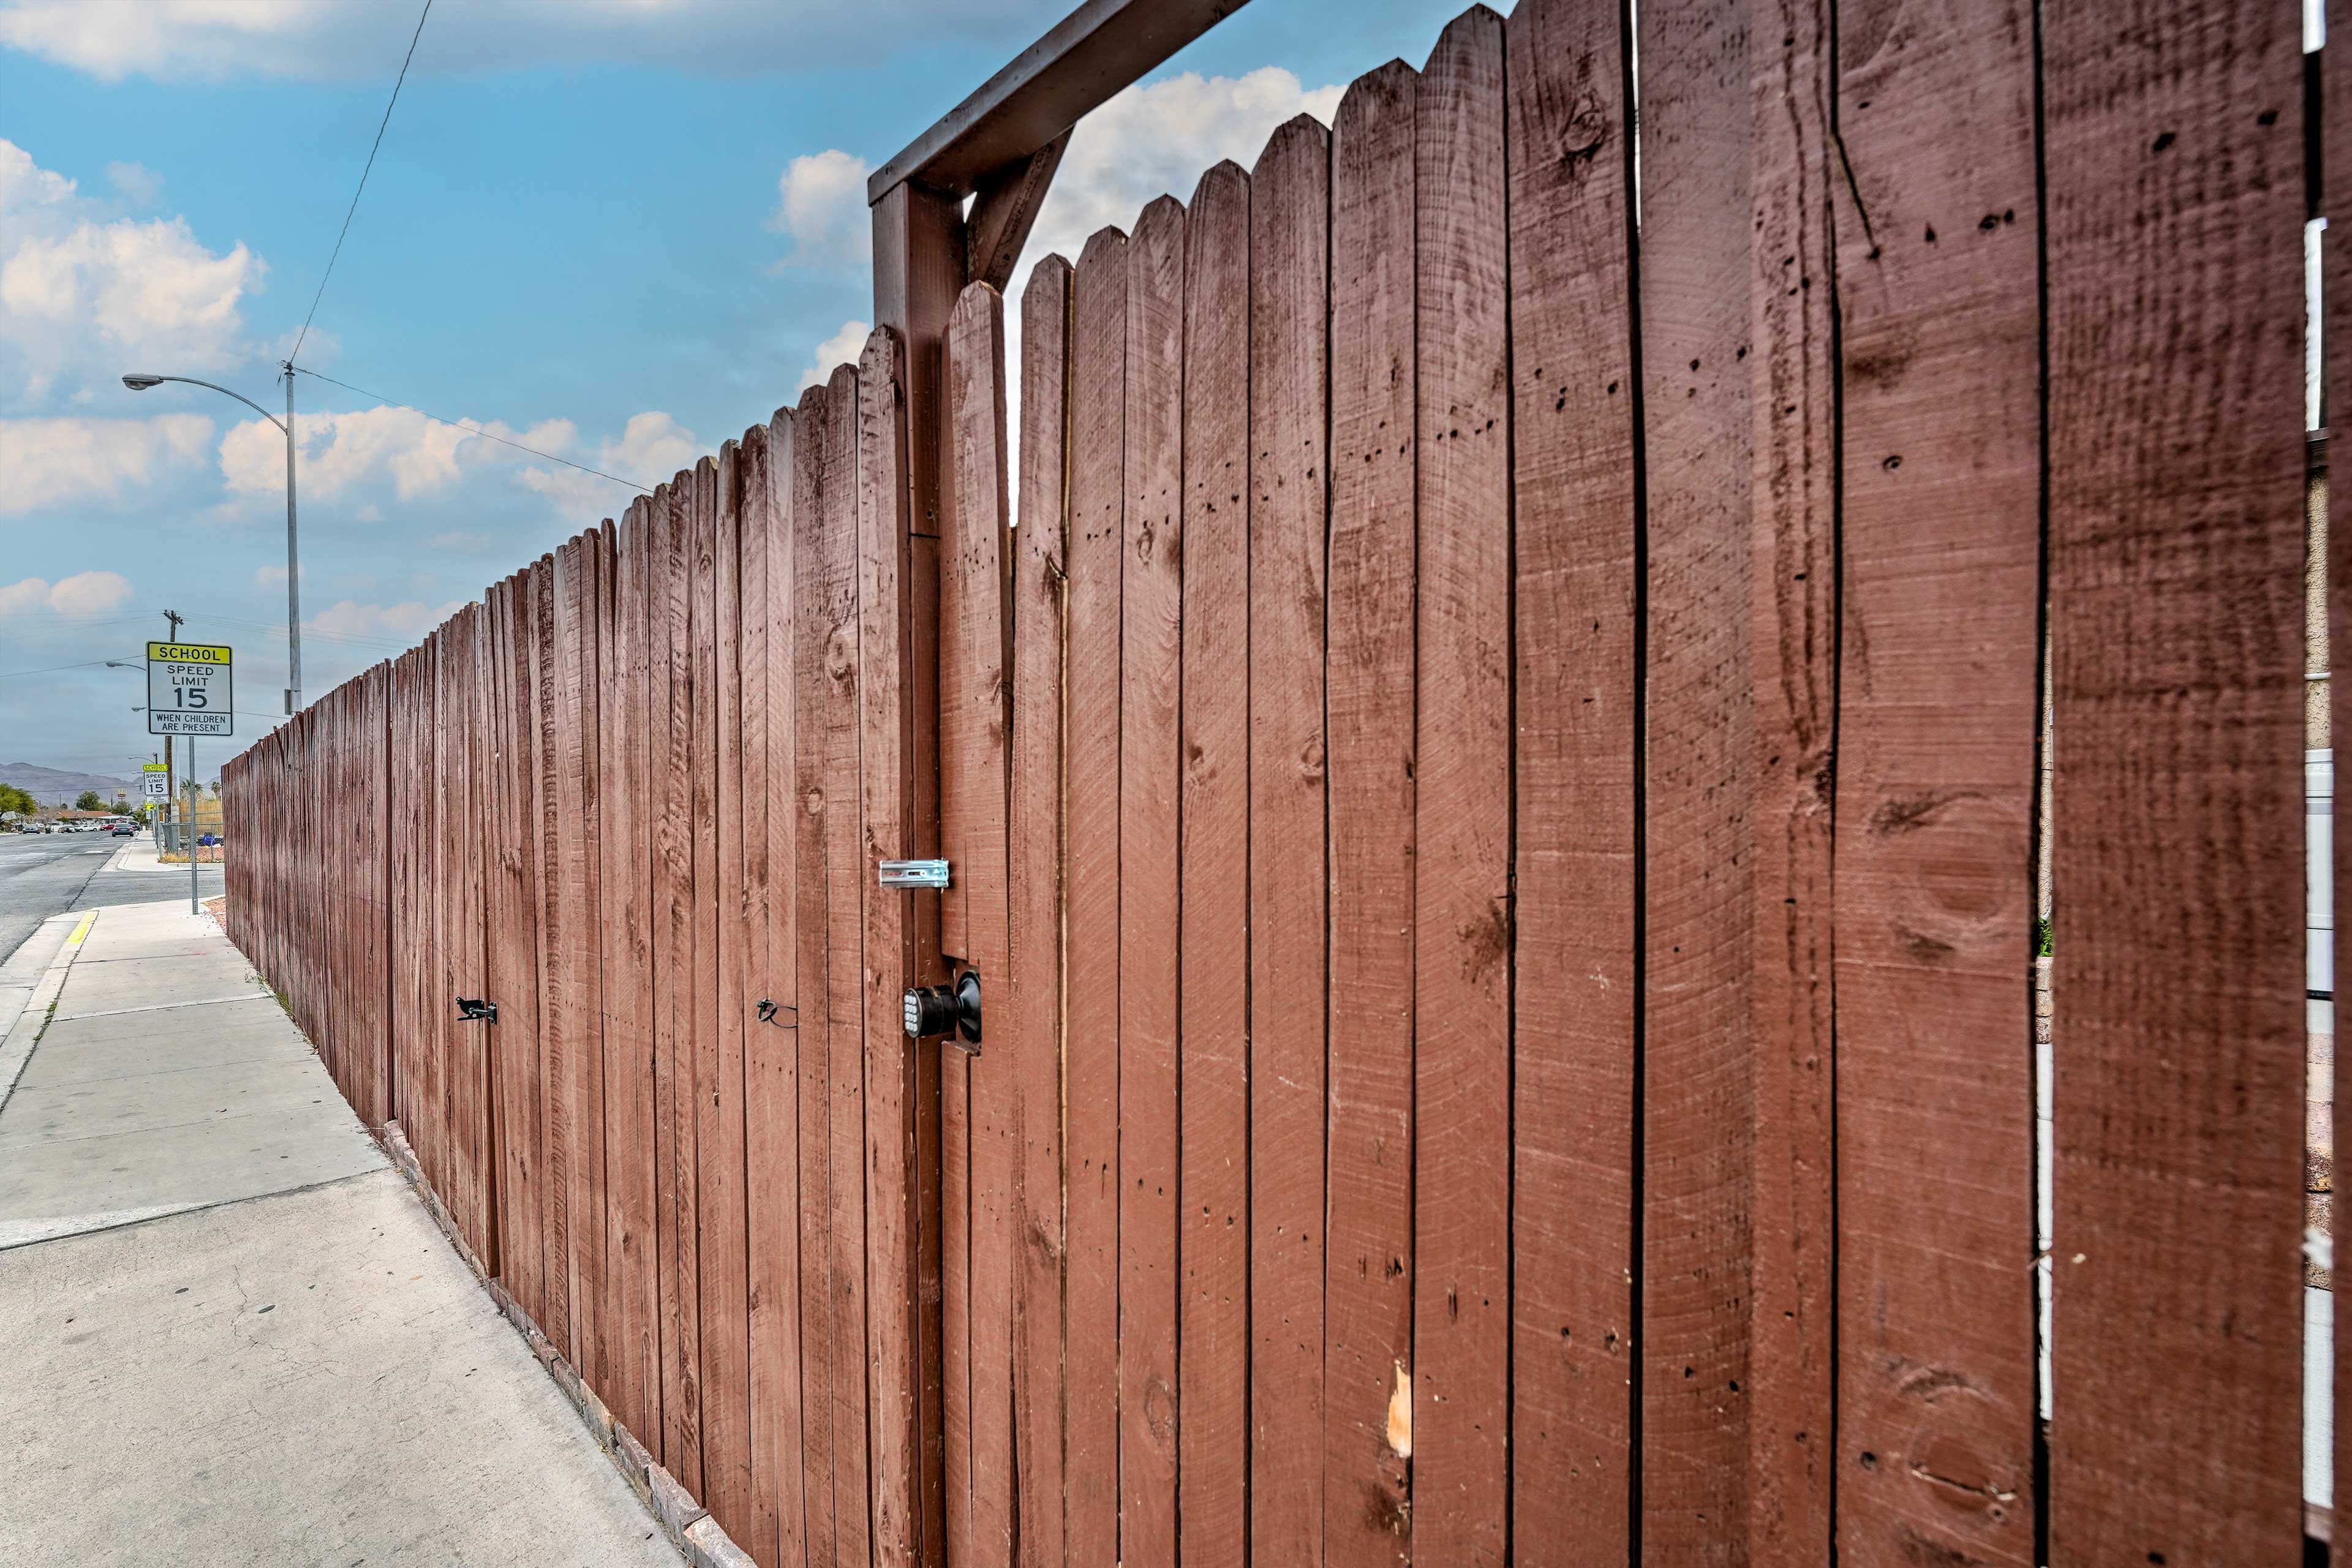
[{"x": 82, "y": 929}]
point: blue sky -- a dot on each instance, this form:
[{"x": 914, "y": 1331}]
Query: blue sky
[{"x": 621, "y": 230}]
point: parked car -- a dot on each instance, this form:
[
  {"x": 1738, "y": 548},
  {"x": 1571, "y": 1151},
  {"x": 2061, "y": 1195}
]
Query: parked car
[{"x": 123, "y": 830}]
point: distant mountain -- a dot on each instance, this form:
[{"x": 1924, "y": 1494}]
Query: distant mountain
[{"x": 54, "y": 786}]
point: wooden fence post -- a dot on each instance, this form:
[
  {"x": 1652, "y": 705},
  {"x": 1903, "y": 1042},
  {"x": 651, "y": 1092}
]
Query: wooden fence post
[{"x": 918, "y": 268}]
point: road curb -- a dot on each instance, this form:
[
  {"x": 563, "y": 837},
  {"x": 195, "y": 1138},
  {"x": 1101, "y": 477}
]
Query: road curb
[
  {"x": 685, "y": 1522},
  {"x": 16, "y": 1050}
]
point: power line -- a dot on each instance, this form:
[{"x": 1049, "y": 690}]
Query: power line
[
  {"x": 311, "y": 631},
  {"x": 338, "y": 251},
  {"x": 52, "y": 669},
  {"x": 281, "y": 626},
  {"x": 467, "y": 424}
]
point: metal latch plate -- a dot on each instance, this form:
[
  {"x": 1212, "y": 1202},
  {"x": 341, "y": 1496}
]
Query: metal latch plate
[{"x": 914, "y": 873}]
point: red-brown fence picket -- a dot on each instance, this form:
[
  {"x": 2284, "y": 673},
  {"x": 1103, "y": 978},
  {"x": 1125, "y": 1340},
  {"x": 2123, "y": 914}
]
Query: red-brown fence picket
[
  {"x": 1489, "y": 799},
  {"x": 621, "y": 800}
]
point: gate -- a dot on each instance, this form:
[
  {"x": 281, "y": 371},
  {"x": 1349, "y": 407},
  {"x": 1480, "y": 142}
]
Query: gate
[{"x": 1490, "y": 795}]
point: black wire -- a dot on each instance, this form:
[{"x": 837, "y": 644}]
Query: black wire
[
  {"x": 363, "y": 180},
  {"x": 475, "y": 429},
  {"x": 52, "y": 669}
]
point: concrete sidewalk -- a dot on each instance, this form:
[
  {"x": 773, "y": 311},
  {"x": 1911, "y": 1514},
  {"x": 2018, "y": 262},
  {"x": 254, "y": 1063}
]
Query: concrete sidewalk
[{"x": 232, "y": 1332}]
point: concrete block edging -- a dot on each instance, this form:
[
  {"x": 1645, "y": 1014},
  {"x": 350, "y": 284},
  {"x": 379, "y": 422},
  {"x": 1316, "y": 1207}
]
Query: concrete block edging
[{"x": 687, "y": 1524}]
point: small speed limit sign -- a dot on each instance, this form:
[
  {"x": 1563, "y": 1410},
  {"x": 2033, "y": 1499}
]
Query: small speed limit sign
[{"x": 189, "y": 689}]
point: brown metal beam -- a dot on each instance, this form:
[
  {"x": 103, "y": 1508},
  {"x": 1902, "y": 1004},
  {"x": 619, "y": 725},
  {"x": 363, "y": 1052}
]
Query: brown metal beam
[{"x": 1087, "y": 56}]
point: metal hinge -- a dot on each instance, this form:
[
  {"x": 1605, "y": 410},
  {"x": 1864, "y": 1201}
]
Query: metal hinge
[
  {"x": 474, "y": 1010},
  {"x": 914, "y": 873}
]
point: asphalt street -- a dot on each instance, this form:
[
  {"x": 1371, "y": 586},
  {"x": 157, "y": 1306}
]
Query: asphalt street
[{"x": 48, "y": 873}]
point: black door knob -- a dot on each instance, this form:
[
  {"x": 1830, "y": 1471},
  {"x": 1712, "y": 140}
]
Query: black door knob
[
  {"x": 948, "y": 1011},
  {"x": 930, "y": 1010}
]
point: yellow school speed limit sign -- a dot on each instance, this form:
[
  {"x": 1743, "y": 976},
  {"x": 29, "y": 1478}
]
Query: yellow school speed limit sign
[{"x": 190, "y": 688}]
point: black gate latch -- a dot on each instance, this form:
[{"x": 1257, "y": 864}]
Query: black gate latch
[
  {"x": 768, "y": 1010},
  {"x": 474, "y": 1010},
  {"x": 953, "y": 1012}
]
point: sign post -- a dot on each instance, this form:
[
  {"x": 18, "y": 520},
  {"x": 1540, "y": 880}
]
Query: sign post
[
  {"x": 191, "y": 691},
  {"x": 155, "y": 780}
]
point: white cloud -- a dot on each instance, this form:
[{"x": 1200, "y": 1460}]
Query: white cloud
[
  {"x": 140, "y": 186},
  {"x": 402, "y": 623},
  {"x": 1156, "y": 138},
  {"x": 274, "y": 576},
  {"x": 338, "y": 41},
  {"x": 337, "y": 452},
  {"x": 652, "y": 448},
  {"x": 1151, "y": 139},
  {"x": 842, "y": 348},
  {"x": 464, "y": 541},
  {"x": 25, "y": 185},
  {"x": 821, "y": 203},
  {"x": 24, "y": 596},
  {"x": 91, "y": 594},
  {"x": 62, "y": 462},
  {"x": 84, "y": 297},
  {"x": 83, "y": 595}
]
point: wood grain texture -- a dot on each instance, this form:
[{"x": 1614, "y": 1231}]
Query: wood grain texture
[
  {"x": 965, "y": 754},
  {"x": 920, "y": 258},
  {"x": 726, "y": 1342},
  {"x": 1098, "y": 536},
  {"x": 1212, "y": 1207},
  {"x": 590, "y": 1196},
  {"x": 514, "y": 980},
  {"x": 1462, "y": 948},
  {"x": 846, "y": 871},
  {"x": 556, "y": 916},
  {"x": 1368, "y": 1285},
  {"x": 430, "y": 1117},
  {"x": 753, "y": 501},
  {"x": 671, "y": 693},
  {"x": 974, "y": 761},
  {"x": 566, "y": 1030},
  {"x": 1150, "y": 764},
  {"x": 820, "y": 590},
  {"x": 897, "y": 1302},
  {"x": 2175, "y": 199},
  {"x": 771, "y": 1055},
  {"x": 598, "y": 716},
  {"x": 480, "y": 1061},
  {"x": 1697, "y": 1082},
  {"x": 1034, "y": 829},
  {"x": 1936, "y": 694},
  {"x": 702, "y": 1009},
  {"x": 630, "y": 1241},
  {"x": 2336, "y": 286},
  {"x": 919, "y": 264},
  {"x": 1285, "y": 487},
  {"x": 453, "y": 1159},
  {"x": 1798, "y": 183},
  {"x": 1578, "y": 734},
  {"x": 537, "y": 704}
]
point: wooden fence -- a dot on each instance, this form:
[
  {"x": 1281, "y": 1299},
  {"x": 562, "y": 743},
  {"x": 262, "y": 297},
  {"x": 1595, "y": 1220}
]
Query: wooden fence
[{"x": 1491, "y": 795}]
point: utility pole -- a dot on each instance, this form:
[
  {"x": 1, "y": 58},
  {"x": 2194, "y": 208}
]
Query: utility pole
[{"x": 293, "y": 566}]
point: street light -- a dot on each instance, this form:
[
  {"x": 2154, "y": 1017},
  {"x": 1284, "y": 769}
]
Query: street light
[{"x": 141, "y": 382}]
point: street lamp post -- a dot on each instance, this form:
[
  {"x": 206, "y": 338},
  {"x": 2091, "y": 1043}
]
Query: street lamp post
[{"x": 141, "y": 383}]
